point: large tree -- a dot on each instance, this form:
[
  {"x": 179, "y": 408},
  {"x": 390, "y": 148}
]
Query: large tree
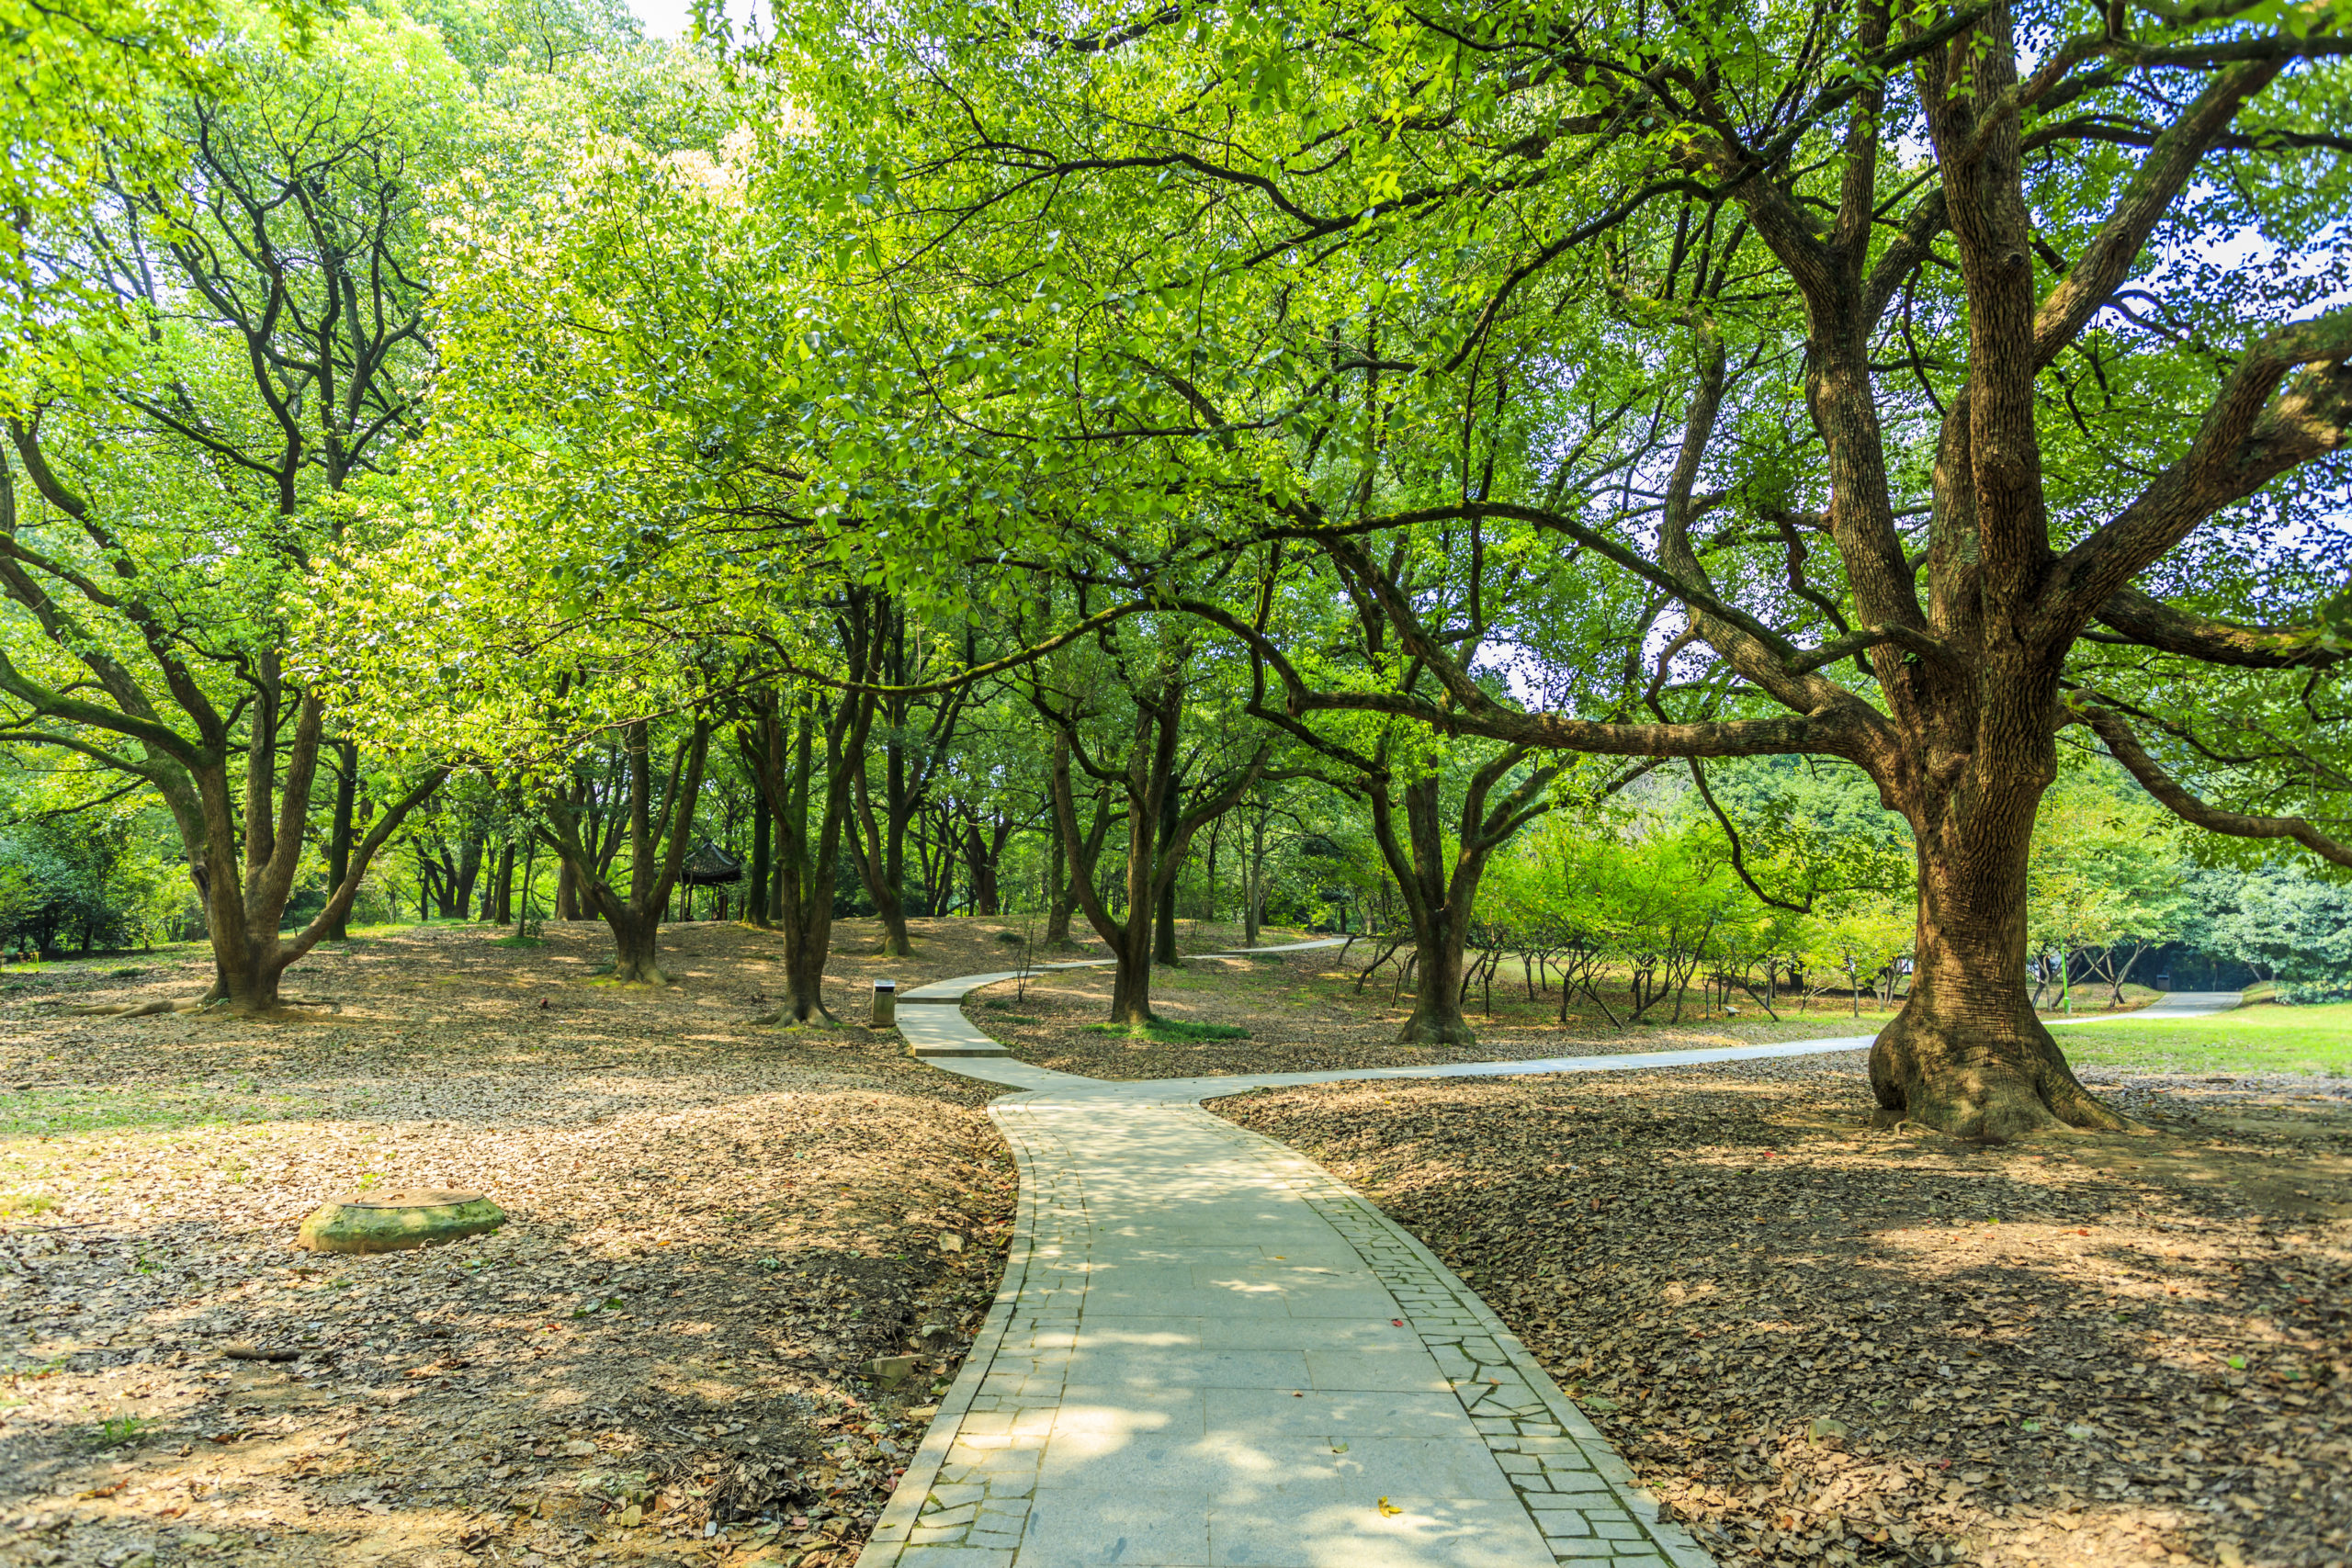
[
  {"x": 1882, "y": 345},
  {"x": 175, "y": 453}
]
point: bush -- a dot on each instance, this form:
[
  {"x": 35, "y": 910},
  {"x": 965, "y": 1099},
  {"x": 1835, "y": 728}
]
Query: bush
[{"x": 80, "y": 881}]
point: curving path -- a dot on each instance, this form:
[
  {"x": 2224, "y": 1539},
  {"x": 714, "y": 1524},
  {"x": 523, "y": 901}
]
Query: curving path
[{"x": 1207, "y": 1351}]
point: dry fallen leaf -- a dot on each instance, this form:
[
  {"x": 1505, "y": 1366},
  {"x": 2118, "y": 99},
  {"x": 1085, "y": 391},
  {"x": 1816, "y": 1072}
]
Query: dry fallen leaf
[
  {"x": 693, "y": 1223},
  {"x": 1763, "y": 1269}
]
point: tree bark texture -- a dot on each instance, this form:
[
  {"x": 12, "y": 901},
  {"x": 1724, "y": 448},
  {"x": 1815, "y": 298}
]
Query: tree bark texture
[
  {"x": 755, "y": 891},
  {"x": 1440, "y": 881}
]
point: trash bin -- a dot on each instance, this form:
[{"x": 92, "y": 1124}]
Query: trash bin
[{"x": 886, "y": 1003}]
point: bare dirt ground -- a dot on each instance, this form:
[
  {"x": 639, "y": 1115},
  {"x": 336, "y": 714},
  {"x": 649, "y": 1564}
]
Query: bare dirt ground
[
  {"x": 662, "y": 1357},
  {"x": 1820, "y": 1343},
  {"x": 1304, "y": 1012}
]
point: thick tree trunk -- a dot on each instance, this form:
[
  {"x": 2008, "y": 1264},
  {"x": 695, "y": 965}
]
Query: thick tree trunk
[
  {"x": 657, "y": 845},
  {"x": 1253, "y": 894},
  {"x": 982, "y": 854},
  {"x": 816, "y": 751},
  {"x": 1437, "y": 1018},
  {"x": 1131, "y": 979},
  {"x": 890, "y": 892},
  {"x": 1967, "y": 1056},
  {"x": 462, "y": 899},
  {"x": 892, "y": 912},
  {"x": 245, "y": 897},
  {"x": 636, "y": 940},
  {"x": 566, "y": 892},
  {"x": 755, "y": 892},
  {"x": 1163, "y": 913},
  {"x": 804, "y": 972},
  {"x": 1058, "y": 900}
]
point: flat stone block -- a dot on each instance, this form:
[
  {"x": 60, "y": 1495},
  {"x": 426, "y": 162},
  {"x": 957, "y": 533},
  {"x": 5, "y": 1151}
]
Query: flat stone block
[
  {"x": 398, "y": 1220},
  {"x": 1247, "y": 1413},
  {"x": 1188, "y": 1367},
  {"x": 956, "y": 1557},
  {"x": 1236, "y": 1332},
  {"x": 1121, "y": 1301},
  {"x": 1346, "y": 1532},
  {"x": 1558, "y": 1453},
  {"x": 1401, "y": 1369},
  {"x": 1163, "y": 1412},
  {"x": 1147, "y": 1529}
]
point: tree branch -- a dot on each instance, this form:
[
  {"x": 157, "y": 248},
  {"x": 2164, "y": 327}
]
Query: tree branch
[{"x": 2169, "y": 793}]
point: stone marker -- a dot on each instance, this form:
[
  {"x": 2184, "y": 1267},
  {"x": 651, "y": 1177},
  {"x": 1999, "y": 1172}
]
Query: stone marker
[
  {"x": 886, "y": 1004},
  {"x": 396, "y": 1221},
  {"x": 891, "y": 1370}
]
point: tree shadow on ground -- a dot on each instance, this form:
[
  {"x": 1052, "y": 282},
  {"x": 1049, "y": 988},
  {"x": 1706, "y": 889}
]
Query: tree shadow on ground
[{"x": 1816, "y": 1341}]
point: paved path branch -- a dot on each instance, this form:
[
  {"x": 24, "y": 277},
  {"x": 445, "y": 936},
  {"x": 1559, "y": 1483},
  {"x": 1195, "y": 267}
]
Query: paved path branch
[{"x": 1206, "y": 1351}]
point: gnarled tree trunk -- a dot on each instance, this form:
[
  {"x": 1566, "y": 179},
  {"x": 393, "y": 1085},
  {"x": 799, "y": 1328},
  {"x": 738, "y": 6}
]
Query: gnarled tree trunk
[
  {"x": 1967, "y": 1055},
  {"x": 1436, "y": 1018},
  {"x": 637, "y": 944},
  {"x": 1157, "y": 838}
]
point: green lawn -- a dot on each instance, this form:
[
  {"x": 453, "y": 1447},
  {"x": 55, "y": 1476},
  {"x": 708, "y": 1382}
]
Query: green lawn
[
  {"x": 2263, "y": 1038},
  {"x": 63, "y": 1111}
]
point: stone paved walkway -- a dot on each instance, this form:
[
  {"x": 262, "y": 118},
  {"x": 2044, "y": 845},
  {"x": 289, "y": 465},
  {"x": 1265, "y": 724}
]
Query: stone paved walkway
[{"x": 1207, "y": 1351}]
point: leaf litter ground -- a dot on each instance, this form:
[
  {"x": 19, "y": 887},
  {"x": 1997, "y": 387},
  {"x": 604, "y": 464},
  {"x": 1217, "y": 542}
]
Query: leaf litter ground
[
  {"x": 1817, "y": 1342},
  {"x": 661, "y": 1357}
]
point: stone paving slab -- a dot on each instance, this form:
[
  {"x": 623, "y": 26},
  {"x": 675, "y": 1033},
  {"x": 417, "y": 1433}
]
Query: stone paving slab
[{"x": 1206, "y": 1351}]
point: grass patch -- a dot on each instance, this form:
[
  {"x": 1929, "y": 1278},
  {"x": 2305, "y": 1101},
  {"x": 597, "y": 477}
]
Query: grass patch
[
  {"x": 116, "y": 1431},
  {"x": 520, "y": 941},
  {"x": 60, "y": 1112},
  {"x": 19, "y": 1206},
  {"x": 2264, "y": 1039},
  {"x": 1169, "y": 1029}
]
